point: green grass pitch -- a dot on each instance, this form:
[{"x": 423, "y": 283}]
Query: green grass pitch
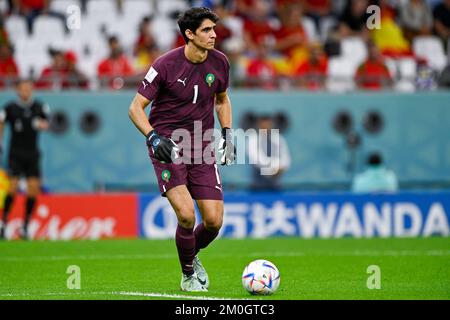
[{"x": 149, "y": 269}]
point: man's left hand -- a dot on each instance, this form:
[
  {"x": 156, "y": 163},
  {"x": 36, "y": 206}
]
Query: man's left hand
[{"x": 227, "y": 150}]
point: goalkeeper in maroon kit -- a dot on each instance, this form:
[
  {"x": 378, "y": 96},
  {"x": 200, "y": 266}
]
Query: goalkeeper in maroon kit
[{"x": 186, "y": 85}]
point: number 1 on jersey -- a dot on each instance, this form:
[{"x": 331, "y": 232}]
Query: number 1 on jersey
[{"x": 195, "y": 94}]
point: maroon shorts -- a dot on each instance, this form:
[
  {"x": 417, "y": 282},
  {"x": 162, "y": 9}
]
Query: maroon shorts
[{"x": 202, "y": 180}]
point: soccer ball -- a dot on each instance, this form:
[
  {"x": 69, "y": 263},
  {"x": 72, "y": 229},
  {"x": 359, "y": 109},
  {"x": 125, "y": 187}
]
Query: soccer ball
[{"x": 261, "y": 277}]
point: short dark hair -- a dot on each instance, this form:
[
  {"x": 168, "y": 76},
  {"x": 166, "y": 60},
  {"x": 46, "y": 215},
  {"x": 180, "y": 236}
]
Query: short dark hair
[
  {"x": 113, "y": 38},
  {"x": 193, "y": 18},
  {"x": 374, "y": 159}
]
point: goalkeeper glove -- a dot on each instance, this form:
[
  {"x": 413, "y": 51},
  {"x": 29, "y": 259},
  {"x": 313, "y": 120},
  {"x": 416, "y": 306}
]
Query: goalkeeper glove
[
  {"x": 164, "y": 149},
  {"x": 227, "y": 151}
]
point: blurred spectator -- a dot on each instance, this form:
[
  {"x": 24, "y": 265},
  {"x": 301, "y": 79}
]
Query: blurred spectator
[
  {"x": 257, "y": 29},
  {"x": 313, "y": 73},
  {"x": 416, "y": 19},
  {"x": 245, "y": 8},
  {"x": 269, "y": 155},
  {"x": 8, "y": 67},
  {"x": 4, "y": 39},
  {"x": 444, "y": 78},
  {"x": 62, "y": 73},
  {"x": 291, "y": 41},
  {"x": 425, "y": 76},
  {"x": 260, "y": 71},
  {"x": 389, "y": 37},
  {"x": 441, "y": 14},
  {"x": 145, "y": 49},
  {"x": 54, "y": 75},
  {"x": 353, "y": 20},
  {"x": 76, "y": 78},
  {"x": 113, "y": 69},
  {"x": 376, "y": 178},
  {"x": 31, "y": 9},
  {"x": 223, "y": 33},
  {"x": 282, "y": 7},
  {"x": 373, "y": 73},
  {"x": 317, "y": 10}
]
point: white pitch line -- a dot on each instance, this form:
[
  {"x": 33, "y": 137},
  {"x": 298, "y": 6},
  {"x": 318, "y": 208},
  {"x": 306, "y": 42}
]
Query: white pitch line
[
  {"x": 176, "y": 296},
  {"x": 119, "y": 293},
  {"x": 368, "y": 253},
  {"x": 90, "y": 257}
]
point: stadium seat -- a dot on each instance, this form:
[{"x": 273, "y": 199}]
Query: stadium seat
[
  {"x": 168, "y": 7},
  {"x": 50, "y": 27},
  {"x": 326, "y": 25},
  {"x": 432, "y": 49},
  {"x": 310, "y": 28},
  {"x": 340, "y": 74},
  {"x": 16, "y": 27},
  {"x": 354, "y": 49},
  {"x": 407, "y": 68},
  {"x": 136, "y": 9},
  {"x": 102, "y": 11},
  {"x": 404, "y": 86},
  {"x": 31, "y": 56},
  {"x": 125, "y": 29},
  {"x": 3, "y": 6},
  {"x": 392, "y": 66},
  {"x": 164, "y": 39},
  {"x": 62, "y": 5}
]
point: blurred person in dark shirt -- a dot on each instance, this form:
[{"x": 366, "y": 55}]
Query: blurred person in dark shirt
[
  {"x": 441, "y": 15},
  {"x": 26, "y": 118},
  {"x": 353, "y": 20},
  {"x": 416, "y": 19},
  {"x": 31, "y": 9}
]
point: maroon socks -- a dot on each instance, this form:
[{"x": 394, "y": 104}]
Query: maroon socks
[
  {"x": 185, "y": 241},
  {"x": 203, "y": 237},
  {"x": 189, "y": 243}
]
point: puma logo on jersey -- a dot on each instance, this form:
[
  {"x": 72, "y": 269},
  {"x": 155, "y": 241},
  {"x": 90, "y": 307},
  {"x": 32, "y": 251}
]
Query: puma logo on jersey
[{"x": 182, "y": 81}]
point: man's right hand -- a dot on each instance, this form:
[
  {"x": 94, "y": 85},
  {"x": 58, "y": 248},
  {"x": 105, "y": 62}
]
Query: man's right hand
[{"x": 164, "y": 149}]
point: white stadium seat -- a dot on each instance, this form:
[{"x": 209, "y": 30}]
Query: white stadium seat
[
  {"x": 326, "y": 25},
  {"x": 62, "y": 5},
  {"x": 102, "y": 11},
  {"x": 16, "y": 26},
  {"x": 354, "y": 48},
  {"x": 407, "y": 68},
  {"x": 137, "y": 9},
  {"x": 392, "y": 67},
  {"x": 340, "y": 74},
  {"x": 166, "y": 38},
  {"x": 31, "y": 54},
  {"x": 47, "y": 26},
  {"x": 310, "y": 29},
  {"x": 432, "y": 49},
  {"x": 167, "y": 7},
  {"x": 3, "y": 6}
]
